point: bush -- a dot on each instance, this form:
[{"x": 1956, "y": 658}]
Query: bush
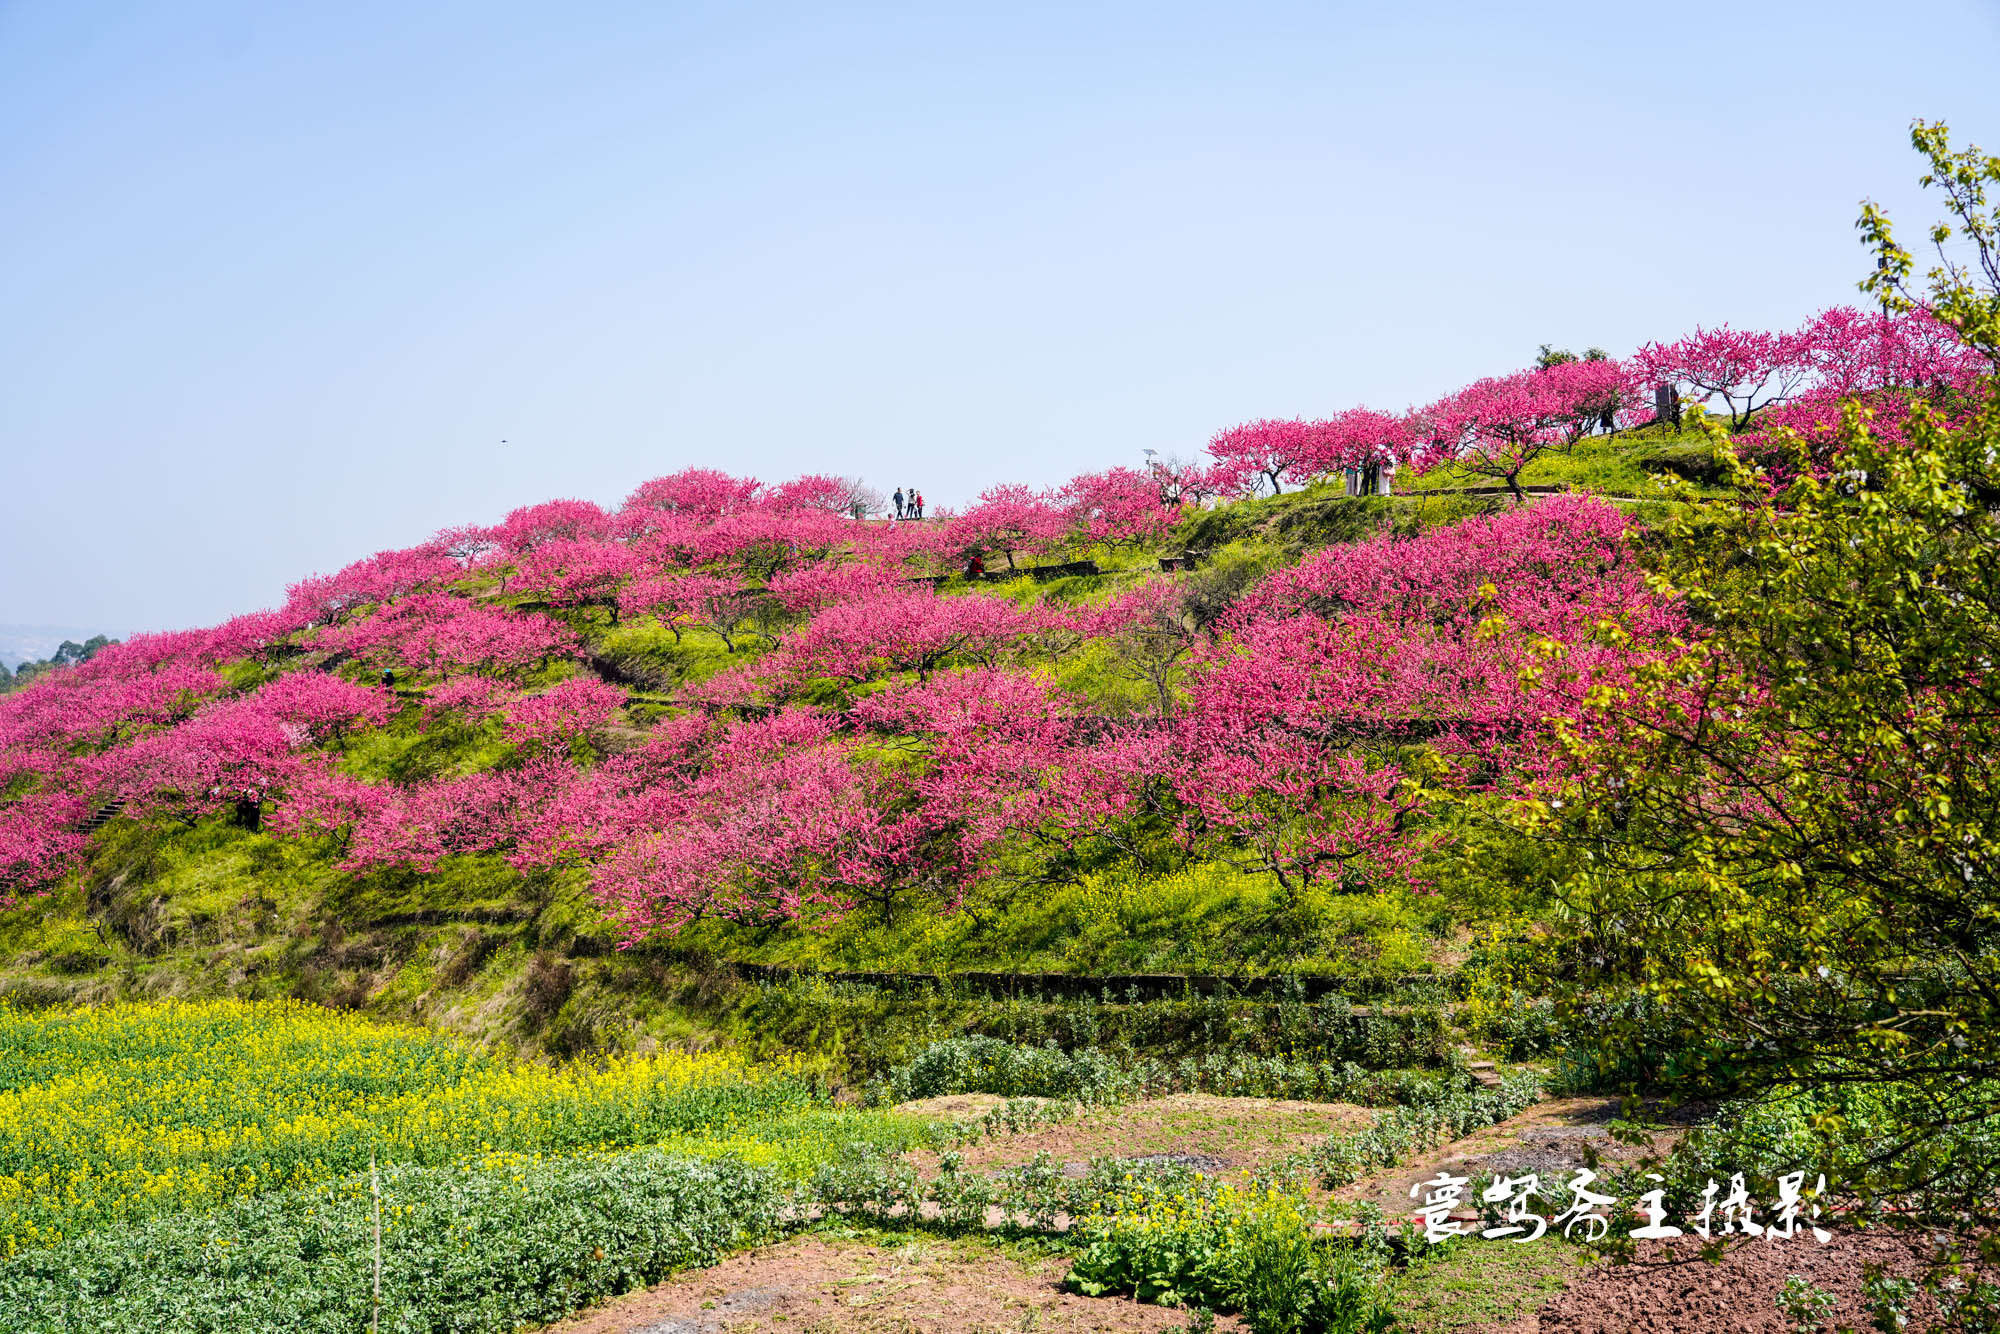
[
  {"x": 985, "y": 1065},
  {"x": 1221, "y": 1245},
  {"x": 1164, "y": 1233}
]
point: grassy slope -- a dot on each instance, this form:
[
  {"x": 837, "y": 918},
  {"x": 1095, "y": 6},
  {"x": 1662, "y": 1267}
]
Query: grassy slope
[{"x": 527, "y": 962}]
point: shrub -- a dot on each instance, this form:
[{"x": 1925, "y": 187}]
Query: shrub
[
  {"x": 1230, "y": 1246},
  {"x": 985, "y": 1065}
]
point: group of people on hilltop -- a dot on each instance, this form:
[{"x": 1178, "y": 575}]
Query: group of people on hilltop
[{"x": 909, "y": 506}]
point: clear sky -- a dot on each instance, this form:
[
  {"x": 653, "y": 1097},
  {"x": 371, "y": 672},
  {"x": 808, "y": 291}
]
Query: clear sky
[{"x": 277, "y": 279}]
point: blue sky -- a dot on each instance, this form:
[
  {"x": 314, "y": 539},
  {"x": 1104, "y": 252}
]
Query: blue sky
[{"x": 278, "y": 279}]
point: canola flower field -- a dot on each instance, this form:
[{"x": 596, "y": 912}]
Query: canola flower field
[
  {"x": 121, "y": 1112},
  {"x": 186, "y": 1168}
]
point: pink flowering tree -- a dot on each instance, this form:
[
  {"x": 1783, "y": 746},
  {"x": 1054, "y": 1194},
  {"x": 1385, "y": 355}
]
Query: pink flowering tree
[
  {"x": 764, "y": 542},
  {"x": 564, "y": 715},
  {"x": 785, "y": 820},
  {"x": 1301, "y": 452},
  {"x": 572, "y": 572},
  {"x": 1013, "y": 520},
  {"x": 531, "y": 526},
  {"x": 241, "y": 751},
  {"x": 1119, "y": 506},
  {"x": 702, "y": 494},
  {"x": 1349, "y": 685},
  {"x": 39, "y": 842},
  {"x": 327, "y": 599},
  {"x": 1268, "y": 451},
  {"x": 1886, "y": 363},
  {"x": 1496, "y": 427},
  {"x": 813, "y": 588},
  {"x": 826, "y": 495},
  {"x": 914, "y": 549},
  {"x": 442, "y": 635},
  {"x": 1747, "y": 370},
  {"x": 900, "y": 630}
]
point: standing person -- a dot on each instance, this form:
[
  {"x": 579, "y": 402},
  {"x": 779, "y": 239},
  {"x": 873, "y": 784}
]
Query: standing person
[
  {"x": 898, "y": 498},
  {"x": 920, "y": 502}
]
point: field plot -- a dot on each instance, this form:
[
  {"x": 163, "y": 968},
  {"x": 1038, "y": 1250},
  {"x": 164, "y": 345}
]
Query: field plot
[
  {"x": 112, "y": 1114},
  {"x": 854, "y": 1286},
  {"x": 208, "y": 1166}
]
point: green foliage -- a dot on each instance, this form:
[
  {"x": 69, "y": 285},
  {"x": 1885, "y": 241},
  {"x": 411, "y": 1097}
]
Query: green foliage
[
  {"x": 482, "y": 1246},
  {"x": 1430, "y": 1102},
  {"x": 1415, "y": 1126},
  {"x": 119, "y": 1110},
  {"x": 1245, "y": 1247},
  {"x": 414, "y": 748},
  {"x": 1205, "y": 917},
  {"x": 986, "y": 1065},
  {"x": 1806, "y": 1305},
  {"x": 1965, "y": 297},
  {"x": 1786, "y": 837},
  {"x": 1162, "y": 1233},
  {"x": 1215, "y": 1044}
]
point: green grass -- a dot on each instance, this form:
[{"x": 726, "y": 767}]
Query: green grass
[
  {"x": 1629, "y": 465},
  {"x": 1208, "y": 918}
]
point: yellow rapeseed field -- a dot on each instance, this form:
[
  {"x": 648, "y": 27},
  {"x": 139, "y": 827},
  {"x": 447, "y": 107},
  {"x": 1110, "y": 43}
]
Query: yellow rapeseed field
[{"x": 111, "y": 1112}]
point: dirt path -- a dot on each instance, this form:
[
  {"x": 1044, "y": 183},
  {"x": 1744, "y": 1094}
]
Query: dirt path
[{"x": 820, "y": 1285}]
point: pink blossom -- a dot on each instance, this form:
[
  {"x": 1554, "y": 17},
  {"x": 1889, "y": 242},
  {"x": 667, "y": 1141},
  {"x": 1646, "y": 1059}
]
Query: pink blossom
[
  {"x": 530, "y": 526},
  {"x": 571, "y": 571},
  {"x": 1011, "y": 520},
  {"x": 565, "y": 712},
  {"x": 1496, "y": 427}
]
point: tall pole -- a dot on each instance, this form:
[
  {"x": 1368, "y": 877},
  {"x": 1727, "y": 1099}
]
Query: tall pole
[{"x": 375, "y": 1190}]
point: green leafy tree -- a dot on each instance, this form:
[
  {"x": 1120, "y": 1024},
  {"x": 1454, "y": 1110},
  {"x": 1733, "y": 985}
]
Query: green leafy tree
[
  {"x": 1781, "y": 845},
  {"x": 1963, "y": 293},
  {"x": 1784, "y": 835}
]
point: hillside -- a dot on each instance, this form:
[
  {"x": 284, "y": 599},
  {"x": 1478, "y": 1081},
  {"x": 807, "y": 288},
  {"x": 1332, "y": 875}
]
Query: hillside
[{"x": 395, "y": 850}]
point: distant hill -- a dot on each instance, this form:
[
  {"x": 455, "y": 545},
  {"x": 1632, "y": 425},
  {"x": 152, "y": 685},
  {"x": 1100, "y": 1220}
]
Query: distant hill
[{"x": 34, "y": 643}]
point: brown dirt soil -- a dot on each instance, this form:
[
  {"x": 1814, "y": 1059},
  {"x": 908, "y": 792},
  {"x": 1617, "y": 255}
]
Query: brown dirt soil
[
  {"x": 1550, "y": 1138},
  {"x": 819, "y": 1285},
  {"x": 1212, "y": 1134},
  {"x": 958, "y": 1106},
  {"x": 1669, "y": 1288}
]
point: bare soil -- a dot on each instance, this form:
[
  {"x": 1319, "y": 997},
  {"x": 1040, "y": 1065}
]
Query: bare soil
[
  {"x": 1670, "y": 1288},
  {"x": 819, "y": 1285}
]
